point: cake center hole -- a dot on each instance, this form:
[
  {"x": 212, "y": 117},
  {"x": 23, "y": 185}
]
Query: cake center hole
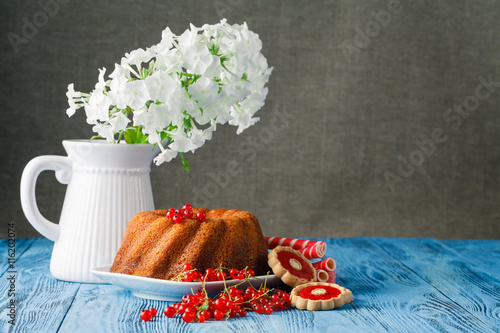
[
  {"x": 318, "y": 292},
  {"x": 295, "y": 264}
]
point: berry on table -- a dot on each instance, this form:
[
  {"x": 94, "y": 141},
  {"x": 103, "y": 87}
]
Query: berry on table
[
  {"x": 146, "y": 315},
  {"x": 188, "y": 316},
  {"x": 218, "y": 315},
  {"x": 170, "y": 311}
]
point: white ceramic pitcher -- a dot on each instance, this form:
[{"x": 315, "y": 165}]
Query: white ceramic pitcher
[{"x": 107, "y": 185}]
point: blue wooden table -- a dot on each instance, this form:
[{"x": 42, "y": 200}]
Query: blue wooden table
[{"x": 399, "y": 285}]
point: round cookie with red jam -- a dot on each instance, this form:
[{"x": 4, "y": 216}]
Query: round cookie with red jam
[
  {"x": 316, "y": 296},
  {"x": 291, "y": 266}
]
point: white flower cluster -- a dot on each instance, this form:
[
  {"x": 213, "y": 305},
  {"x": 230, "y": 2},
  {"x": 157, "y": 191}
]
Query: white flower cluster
[{"x": 176, "y": 92}]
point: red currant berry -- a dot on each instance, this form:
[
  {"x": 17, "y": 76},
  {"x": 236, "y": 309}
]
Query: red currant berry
[
  {"x": 263, "y": 290},
  {"x": 169, "y": 311},
  {"x": 233, "y": 292},
  {"x": 187, "y": 267},
  {"x": 229, "y": 305},
  {"x": 242, "y": 312},
  {"x": 206, "y": 314},
  {"x": 210, "y": 272},
  {"x": 188, "y": 316},
  {"x": 206, "y": 278},
  {"x": 201, "y": 318},
  {"x": 182, "y": 308},
  {"x": 268, "y": 309},
  {"x": 285, "y": 297},
  {"x": 187, "y": 206},
  {"x": 221, "y": 275},
  {"x": 190, "y": 309},
  {"x": 218, "y": 315},
  {"x": 187, "y": 213},
  {"x": 153, "y": 312},
  {"x": 234, "y": 273},
  {"x": 250, "y": 272},
  {"x": 188, "y": 277},
  {"x": 171, "y": 213},
  {"x": 201, "y": 216},
  {"x": 177, "y": 218},
  {"x": 146, "y": 315},
  {"x": 258, "y": 309},
  {"x": 220, "y": 304},
  {"x": 240, "y": 276},
  {"x": 186, "y": 298},
  {"x": 239, "y": 299}
]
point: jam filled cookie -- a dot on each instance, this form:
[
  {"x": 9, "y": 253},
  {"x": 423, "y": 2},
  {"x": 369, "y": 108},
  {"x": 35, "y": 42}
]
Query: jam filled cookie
[
  {"x": 316, "y": 296},
  {"x": 291, "y": 266}
]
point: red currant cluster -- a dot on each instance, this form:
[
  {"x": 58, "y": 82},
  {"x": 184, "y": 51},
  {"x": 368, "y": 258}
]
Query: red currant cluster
[
  {"x": 177, "y": 215},
  {"x": 147, "y": 315},
  {"x": 230, "y": 303},
  {"x": 189, "y": 274}
]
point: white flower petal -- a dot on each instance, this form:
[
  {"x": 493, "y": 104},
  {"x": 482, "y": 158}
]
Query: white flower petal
[{"x": 165, "y": 156}]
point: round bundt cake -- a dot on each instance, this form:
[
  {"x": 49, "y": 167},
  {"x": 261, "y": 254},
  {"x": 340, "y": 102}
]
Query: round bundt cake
[{"x": 155, "y": 246}]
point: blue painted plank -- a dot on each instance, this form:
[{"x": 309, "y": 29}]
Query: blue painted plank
[
  {"x": 111, "y": 309},
  {"x": 13, "y": 249},
  {"x": 484, "y": 253},
  {"x": 467, "y": 285},
  {"x": 389, "y": 296},
  {"x": 41, "y": 301}
]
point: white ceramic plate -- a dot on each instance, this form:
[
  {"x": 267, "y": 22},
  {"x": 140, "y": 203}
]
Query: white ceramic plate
[{"x": 165, "y": 290}]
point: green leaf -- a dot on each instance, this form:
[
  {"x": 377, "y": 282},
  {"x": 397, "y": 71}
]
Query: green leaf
[
  {"x": 140, "y": 137},
  {"x": 187, "y": 121},
  {"x": 204, "y": 306},
  {"x": 185, "y": 163},
  {"x": 163, "y": 136},
  {"x": 129, "y": 135}
]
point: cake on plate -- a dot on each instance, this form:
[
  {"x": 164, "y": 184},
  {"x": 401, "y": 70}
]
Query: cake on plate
[{"x": 155, "y": 246}]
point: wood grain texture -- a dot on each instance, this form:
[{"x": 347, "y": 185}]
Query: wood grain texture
[
  {"x": 390, "y": 296},
  {"x": 20, "y": 246},
  {"x": 41, "y": 300},
  {"x": 399, "y": 285},
  {"x": 483, "y": 253},
  {"x": 470, "y": 287}
]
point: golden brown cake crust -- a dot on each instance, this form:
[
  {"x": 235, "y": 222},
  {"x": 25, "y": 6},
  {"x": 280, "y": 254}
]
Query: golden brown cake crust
[{"x": 155, "y": 246}]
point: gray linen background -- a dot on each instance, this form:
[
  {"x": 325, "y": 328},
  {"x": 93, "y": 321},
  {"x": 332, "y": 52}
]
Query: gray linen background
[{"x": 381, "y": 119}]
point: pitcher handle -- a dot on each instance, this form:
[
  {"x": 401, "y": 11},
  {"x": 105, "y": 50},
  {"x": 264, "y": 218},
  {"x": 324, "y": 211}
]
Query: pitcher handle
[{"x": 62, "y": 167}]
